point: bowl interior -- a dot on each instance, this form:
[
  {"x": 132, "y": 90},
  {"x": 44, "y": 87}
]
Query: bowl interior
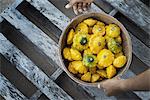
[{"x": 127, "y": 47}]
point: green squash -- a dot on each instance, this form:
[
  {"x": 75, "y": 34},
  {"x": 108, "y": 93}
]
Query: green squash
[
  {"x": 114, "y": 46},
  {"x": 90, "y": 60}
]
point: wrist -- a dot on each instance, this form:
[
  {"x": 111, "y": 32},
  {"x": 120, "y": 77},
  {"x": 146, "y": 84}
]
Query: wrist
[{"x": 124, "y": 84}]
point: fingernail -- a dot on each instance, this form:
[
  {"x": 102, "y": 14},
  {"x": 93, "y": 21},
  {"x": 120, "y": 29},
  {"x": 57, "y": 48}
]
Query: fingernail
[
  {"x": 99, "y": 86},
  {"x": 80, "y": 10},
  {"x": 76, "y": 12},
  {"x": 67, "y": 6},
  {"x": 84, "y": 9}
]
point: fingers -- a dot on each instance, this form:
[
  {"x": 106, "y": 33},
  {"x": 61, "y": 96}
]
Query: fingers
[
  {"x": 117, "y": 77},
  {"x": 99, "y": 86},
  {"x": 70, "y": 4},
  {"x": 80, "y": 7},
  {"x": 84, "y": 6},
  {"x": 75, "y": 9}
]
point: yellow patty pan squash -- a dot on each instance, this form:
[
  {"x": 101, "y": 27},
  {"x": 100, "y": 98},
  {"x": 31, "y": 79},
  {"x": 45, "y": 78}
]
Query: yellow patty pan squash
[
  {"x": 111, "y": 71},
  {"x": 96, "y": 43},
  {"x": 79, "y": 67},
  {"x": 70, "y": 36},
  {"x": 118, "y": 54},
  {"x": 71, "y": 68},
  {"x": 105, "y": 58},
  {"x": 107, "y": 38},
  {"x": 112, "y": 30},
  {"x": 92, "y": 70},
  {"x": 86, "y": 77},
  {"x": 75, "y": 54},
  {"x": 67, "y": 54},
  {"x": 101, "y": 67},
  {"x": 90, "y": 21},
  {"x": 90, "y": 60},
  {"x": 102, "y": 73},
  {"x": 114, "y": 46},
  {"x": 100, "y": 23},
  {"x": 120, "y": 61},
  {"x": 87, "y": 51},
  {"x": 95, "y": 77},
  {"x": 98, "y": 29},
  {"x": 118, "y": 39},
  {"x": 81, "y": 41},
  {"x": 81, "y": 28}
]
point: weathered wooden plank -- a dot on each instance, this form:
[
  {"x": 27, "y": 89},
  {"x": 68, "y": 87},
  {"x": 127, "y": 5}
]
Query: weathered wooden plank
[
  {"x": 104, "y": 5},
  {"x": 94, "y": 8},
  {"x": 31, "y": 71},
  {"x": 140, "y": 50},
  {"x": 135, "y": 10},
  {"x": 16, "y": 3},
  {"x": 113, "y": 12},
  {"x": 8, "y": 91}
]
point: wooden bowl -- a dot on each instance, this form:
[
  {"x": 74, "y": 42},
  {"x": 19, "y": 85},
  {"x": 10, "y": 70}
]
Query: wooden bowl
[{"x": 127, "y": 46}]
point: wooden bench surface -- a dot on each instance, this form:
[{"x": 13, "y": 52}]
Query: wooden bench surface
[{"x": 29, "y": 35}]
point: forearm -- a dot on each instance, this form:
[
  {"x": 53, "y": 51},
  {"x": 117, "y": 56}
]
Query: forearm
[{"x": 139, "y": 82}]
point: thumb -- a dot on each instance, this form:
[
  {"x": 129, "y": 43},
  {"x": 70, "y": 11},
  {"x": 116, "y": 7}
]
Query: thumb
[
  {"x": 70, "y": 4},
  {"x": 101, "y": 85}
]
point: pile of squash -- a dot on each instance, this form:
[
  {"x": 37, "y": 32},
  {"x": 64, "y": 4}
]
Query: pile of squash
[{"x": 94, "y": 50}]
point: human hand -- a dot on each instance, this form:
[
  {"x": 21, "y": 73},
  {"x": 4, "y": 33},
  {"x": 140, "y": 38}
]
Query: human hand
[
  {"x": 113, "y": 86},
  {"x": 79, "y": 5}
]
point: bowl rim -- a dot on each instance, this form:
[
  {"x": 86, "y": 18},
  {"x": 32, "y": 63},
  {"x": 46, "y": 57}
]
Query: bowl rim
[{"x": 96, "y": 84}]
